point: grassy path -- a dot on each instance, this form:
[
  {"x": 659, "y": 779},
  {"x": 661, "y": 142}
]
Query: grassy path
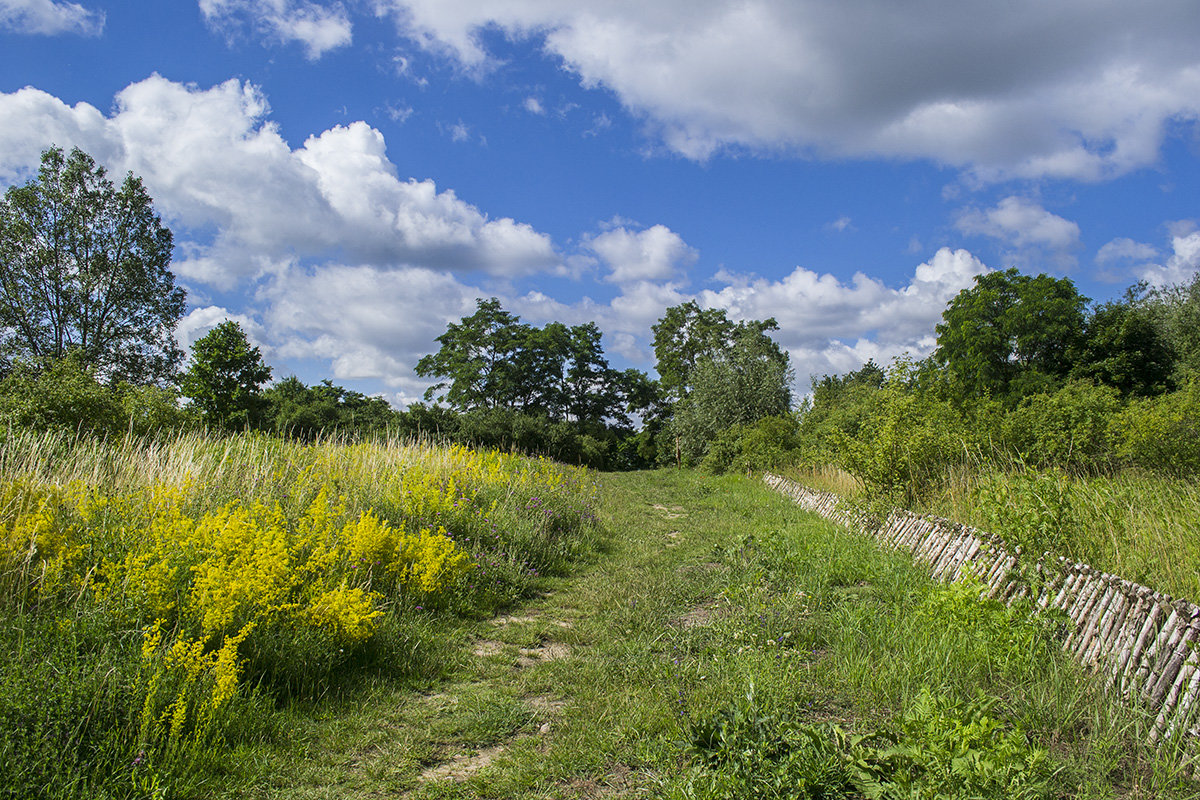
[
  {"x": 573, "y": 694},
  {"x": 709, "y": 590}
]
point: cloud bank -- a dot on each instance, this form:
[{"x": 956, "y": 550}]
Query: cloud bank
[
  {"x": 1070, "y": 89},
  {"x": 351, "y": 265}
]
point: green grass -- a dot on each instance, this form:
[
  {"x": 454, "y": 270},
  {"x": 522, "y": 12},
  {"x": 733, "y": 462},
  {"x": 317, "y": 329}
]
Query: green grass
[
  {"x": 1142, "y": 526},
  {"x": 707, "y": 639},
  {"x": 724, "y": 644},
  {"x": 118, "y": 677}
]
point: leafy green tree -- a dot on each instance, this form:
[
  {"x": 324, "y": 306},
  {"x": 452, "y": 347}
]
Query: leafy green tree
[
  {"x": 477, "y": 359},
  {"x": 769, "y": 443},
  {"x": 1125, "y": 349},
  {"x": 225, "y": 377},
  {"x": 587, "y": 380},
  {"x": 740, "y": 386},
  {"x": 85, "y": 271},
  {"x": 306, "y": 412},
  {"x": 687, "y": 334},
  {"x": 1011, "y": 335},
  {"x": 491, "y": 360},
  {"x": 536, "y": 382},
  {"x": 1175, "y": 311}
]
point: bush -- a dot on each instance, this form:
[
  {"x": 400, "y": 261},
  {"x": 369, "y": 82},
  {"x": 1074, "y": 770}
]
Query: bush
[
  {"x": 769, "y": 443},
  {"x": 152, "y": 410},
  {"x": 1068, "y": 429},
  {"x": 65, "y": 396},
  {"x": 1162, "y": 433},
  {"x": 906, "y": 445}
]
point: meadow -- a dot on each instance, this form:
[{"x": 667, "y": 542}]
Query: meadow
[
  {"x": 161, "y": 597},
  {"x": 254, "y": 618}
]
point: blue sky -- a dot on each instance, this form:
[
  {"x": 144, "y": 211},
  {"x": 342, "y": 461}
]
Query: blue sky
[{"x": 345, "y": 178}]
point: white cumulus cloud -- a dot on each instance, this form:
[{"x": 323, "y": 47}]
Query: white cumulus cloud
[
  {"x": 1125, "y": 249},
  {"x": 213, "y": 161},
  {"x": 366, "y": 321},
  {"x": 1021, "y": 223},
  {"x": 829, "y": 326},
  {"x": 1181, "y": 266},
  {"x": 1033, "y": 233},
  {"x": 199, "y": 321},
  {"x": 48, "y": 18},
  {"x": 656, "y": 253}
]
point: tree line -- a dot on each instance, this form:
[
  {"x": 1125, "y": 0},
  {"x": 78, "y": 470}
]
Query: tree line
[
  {"x": 1026, "y": 375},
  {"x": 89, "y": 306},
  {"x": 1024, "y": 366}
]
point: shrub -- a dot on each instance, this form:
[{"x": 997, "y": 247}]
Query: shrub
[
  {"x": 1162, "y": 433},
  {"x": 1069, "y": 428},
  {"x": 769, "y": 443},
  {"x": 907, "y": 445},
  {"x": 64, "y": 396}
]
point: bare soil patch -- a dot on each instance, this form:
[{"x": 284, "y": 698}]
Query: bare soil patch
[
  {"x": 488, "y": 647},
  {"x": 618, "y": 781},
  {"x": 699, "y": 616},
  {"x": 549, "y": 651},
  {"x": 670, "y": 512},
  {"x": 462, "y": 766}
]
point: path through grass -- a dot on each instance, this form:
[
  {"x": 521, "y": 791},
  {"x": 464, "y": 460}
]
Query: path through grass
[{"x": 718, "y": 628}]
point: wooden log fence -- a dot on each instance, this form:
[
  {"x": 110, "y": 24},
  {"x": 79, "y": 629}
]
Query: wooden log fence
[{"x": 1145, "y": 644}]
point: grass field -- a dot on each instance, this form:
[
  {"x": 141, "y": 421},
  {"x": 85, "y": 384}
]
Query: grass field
[
  {"x": 725, "y": 644},
  {"x": 702, "y": 637},
  {"x": 1141, "y": 526}
]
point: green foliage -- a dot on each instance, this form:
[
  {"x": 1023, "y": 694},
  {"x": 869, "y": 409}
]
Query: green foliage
[
  {"x": 837, "y": 411},
  {"x": 1162, "y": 433},
  {"x": 737, "y": 386},
  {"x": 306, "y": 412},
  {"x": 756, "y": 755},
  {"x": 152, "y": 410},
  {"x": 1175, "y": 311},
  {"x": 1031, "y": 509},
  {"x": 940, "y": 749},
  {"x": 687, "y": 336},
  {"x": 225, "y": 377},
  {"x": 1127, "y": 349},
  {"x": 907, "y": 443},
  {"x": 1068, "y": 429},
  {"x": 950, "y": 749},
  {"x": 86, "y": 271},
  {"x": 769, "y": 443},
  {"x": 491, "y": 360},
  {"x": 1011, "y": 333},
  {"x": 510, "y": 430},
  {"x": 63, "y": 396},
  {"x": 67, "y": 707},
  {"x": 477, "y": 358}
]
